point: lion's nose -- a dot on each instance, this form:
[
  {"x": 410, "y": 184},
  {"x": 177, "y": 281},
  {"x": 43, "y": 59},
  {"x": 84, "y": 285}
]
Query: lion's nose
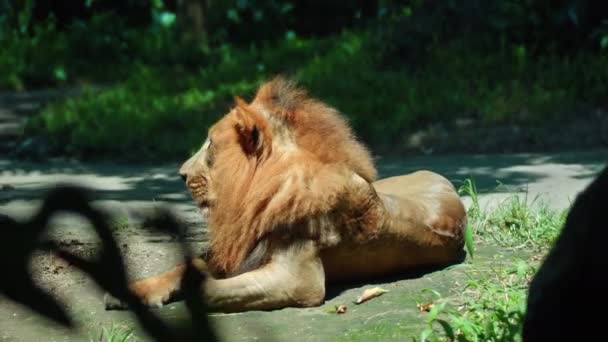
[{"x": 184, "y": 176}]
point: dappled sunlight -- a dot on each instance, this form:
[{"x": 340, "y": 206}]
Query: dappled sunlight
[
  {"x": 92, "y": 181},
  {"x": 125, "y": 190},
  {"x": 553, "y": 179},
  {"x": 505, "y": 99},
  {"x": 109, "y": 181}
]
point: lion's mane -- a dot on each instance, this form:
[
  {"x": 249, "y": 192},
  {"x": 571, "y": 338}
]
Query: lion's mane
[{"x": 296, "y": 175}]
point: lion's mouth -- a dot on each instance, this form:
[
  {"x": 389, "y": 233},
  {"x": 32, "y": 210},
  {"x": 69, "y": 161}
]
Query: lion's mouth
[{"x": 198, "y": 191}]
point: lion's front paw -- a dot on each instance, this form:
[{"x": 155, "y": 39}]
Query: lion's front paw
[
  {"x": 152, "y": 292},
  {"x": 113, "y": 303}
]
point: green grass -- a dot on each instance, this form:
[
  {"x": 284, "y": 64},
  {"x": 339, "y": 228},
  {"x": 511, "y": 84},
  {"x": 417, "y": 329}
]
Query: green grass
[
  {"x": 490, "y": 305},
  {"x": 119, "y": 223},
  {"x": 516, "y": 221},
  {"x": 114, "y": 334},
  {"x": 163, "y": 110},
  {"x": 485, "y": 297},
  {"x": 378, "y": 332}
]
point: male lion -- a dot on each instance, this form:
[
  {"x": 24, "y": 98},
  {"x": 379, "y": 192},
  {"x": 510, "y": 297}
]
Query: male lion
[{"x": 292, "y": 203}]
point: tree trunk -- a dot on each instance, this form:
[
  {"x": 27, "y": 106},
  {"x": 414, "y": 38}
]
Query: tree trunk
[{"x": 191, "y": 19}]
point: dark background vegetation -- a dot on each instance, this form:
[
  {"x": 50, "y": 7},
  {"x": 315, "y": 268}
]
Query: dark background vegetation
[{"x": 156, "y": 73}]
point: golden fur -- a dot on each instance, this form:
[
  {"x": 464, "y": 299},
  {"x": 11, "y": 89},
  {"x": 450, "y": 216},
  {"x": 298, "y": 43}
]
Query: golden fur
[
  {"x": 292, "y": 201},
  {"x": 279, "y": 184}
]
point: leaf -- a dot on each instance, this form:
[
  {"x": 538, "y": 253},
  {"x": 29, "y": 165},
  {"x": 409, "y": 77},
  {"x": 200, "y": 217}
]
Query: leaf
[
  {"x": 287, "y": 7},
  {"x": 166, "y": 19},
  {"x": 332, "y": 309},
  {"x": 468, "y": 239},
  {"x": 233, "y": 15},
  {"x": 424, "y": 306},
  {"x": 59, "y": 73},
  {"x": 242, "y": 4},
  {"x": 447, "y": 328},
  {"x": 337, "y": 309},
  {"x": 604, "y": 42},
  {"x": 290, "y": 35},
  {"x": 435, "y": 292},
  {"x": 572, "y": 15},
  {"x": 522, "y": 268},
  {"x": 425, "y": 334},
  {"x": 369, "y": 294},
  {"x": 435, "y": 311}
]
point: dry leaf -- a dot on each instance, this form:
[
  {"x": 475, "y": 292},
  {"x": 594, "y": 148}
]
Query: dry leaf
[
  {"x": 57, "y": 263},
  {"x": 331, "y": 310},
  {"x": 424, "y": 306},
  {"x": 369, "y": 294},
  {"x": 337, "y": 309}
]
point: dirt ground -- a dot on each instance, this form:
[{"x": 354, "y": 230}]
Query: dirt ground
[{"x": 128, "y": 191}]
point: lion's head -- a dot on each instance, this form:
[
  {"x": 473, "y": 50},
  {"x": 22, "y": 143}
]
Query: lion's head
[{"x": 269, "y": 164}]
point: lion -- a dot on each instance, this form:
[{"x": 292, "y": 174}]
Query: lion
[{"x": 293, "y": 203}]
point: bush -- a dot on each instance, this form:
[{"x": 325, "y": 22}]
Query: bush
[{"x": 165, "y": 111}]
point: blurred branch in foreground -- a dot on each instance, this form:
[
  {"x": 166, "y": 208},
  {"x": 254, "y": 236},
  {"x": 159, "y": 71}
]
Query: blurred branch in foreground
[{"x": 21, "y": 240}]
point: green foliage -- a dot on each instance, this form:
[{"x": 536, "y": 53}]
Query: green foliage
[
  {"x": 119, "y": 223},
  {"x": 516, "y": 224},
  {"x": 542, "y": 26},
  {"x": 104, "y": 50},
  {"x": 468, "y": 240},
  {"x": 21, "y": 60},
  {"x": 400, "y": 67},
  {"x": 165, "y": 111},
  {"x": 114, "y": 334},
  {"x": 144, "y": 117},
  {"x": 491, "y": 307},
  {"x": 514, "y": 221}
]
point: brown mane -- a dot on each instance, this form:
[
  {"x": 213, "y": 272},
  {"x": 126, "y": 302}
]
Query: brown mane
[{"x": 281, "y": 160}]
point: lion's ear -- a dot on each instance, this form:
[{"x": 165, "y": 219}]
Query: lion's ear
[{"x": 250, "y": 127}]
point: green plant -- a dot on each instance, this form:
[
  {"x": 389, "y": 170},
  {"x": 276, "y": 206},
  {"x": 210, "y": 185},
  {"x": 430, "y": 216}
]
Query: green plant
[
  {"x": 436, "y": 308},
  {"x": 514, "y": 221},
  {"x": 469, "y": 188},
  {"x": 119, "y": 223},
  {"x": 164, "y": 112},
  {"x": 114, "y": 334},
  {"x": 490, "y": 308}
]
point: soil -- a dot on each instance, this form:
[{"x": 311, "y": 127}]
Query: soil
[{"x": 128, "y": 192}]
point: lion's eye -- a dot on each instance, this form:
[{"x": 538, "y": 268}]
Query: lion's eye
[{"x": 209, "y": 156}]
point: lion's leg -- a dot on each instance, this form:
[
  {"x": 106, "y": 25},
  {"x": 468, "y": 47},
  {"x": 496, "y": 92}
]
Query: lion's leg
[
  {"x": 293, "y": 277},
  {"x": 157, "y": 290}
]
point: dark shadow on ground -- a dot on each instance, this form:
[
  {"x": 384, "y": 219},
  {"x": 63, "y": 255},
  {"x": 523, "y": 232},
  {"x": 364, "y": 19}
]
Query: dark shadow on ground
[
  {"x": 488, "y": 170},
  {"x": 22, "y": 180},
  {"x": 334, "y": 290},
  {"x": 121, "y": 182}
]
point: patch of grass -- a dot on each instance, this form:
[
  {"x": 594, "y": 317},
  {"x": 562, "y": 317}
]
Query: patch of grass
[
  {"x": 104, "y": 50},
  {"x": 513, "y": 222},
  {"x": 491, "y": 304},
  {"x": 164, "y": 110},
  {"x": 119, "y": 223},
  {"x": 114, "y": 334},
  {"x": 490, "y": 308},
  {"x": 378, "y": 332}
]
